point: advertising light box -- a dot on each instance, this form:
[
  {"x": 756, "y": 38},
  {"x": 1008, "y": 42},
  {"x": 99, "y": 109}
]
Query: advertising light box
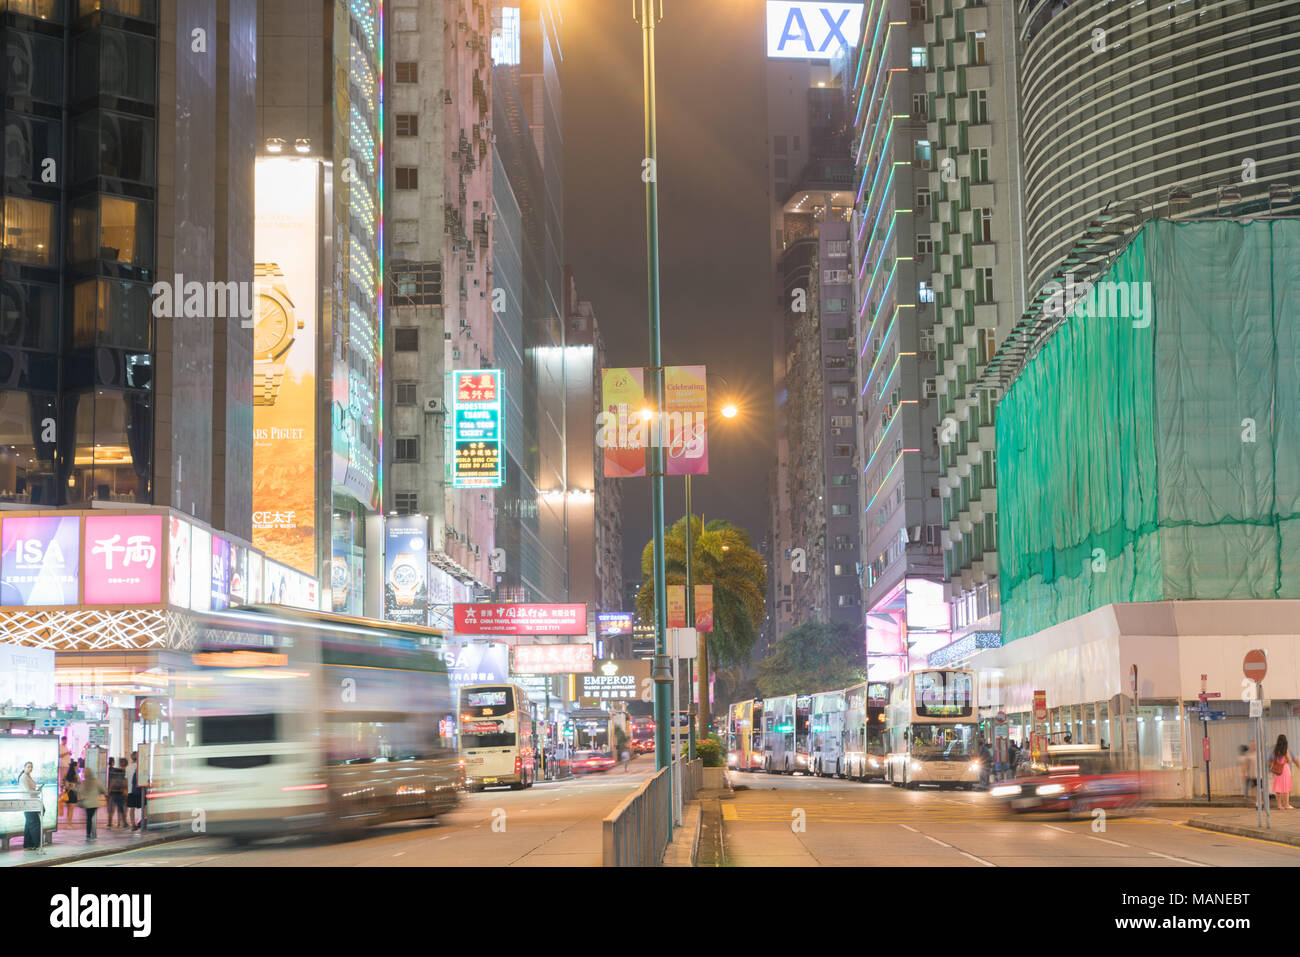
[
  {"x": 39, "y": 561},
  {"x": 476, "y": 429},
  {"x": 482, "y": 618},
  {"x": 178, "y": 565},
  {"x": 124, "y": 559},
  {"x": 552, "y": 659},
  {"x": 406, "y": 568},
  {"x": 200, "y": 569},
  {"x": 811, "y": 29}
]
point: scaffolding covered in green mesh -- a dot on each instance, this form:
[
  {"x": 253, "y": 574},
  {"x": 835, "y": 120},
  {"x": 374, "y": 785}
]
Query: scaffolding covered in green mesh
[{"x": 1157, "y": 457}]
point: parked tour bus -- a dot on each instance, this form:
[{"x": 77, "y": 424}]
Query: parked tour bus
[
  {"x": 498, "y": 743},
  {"x": 826, "y": 737},
  {"x": 930, "y": 729},
  {"x": 745, "y": 735},
  {"x": 786, "y": 724},
  {"x": 864, "y": 731},
  {"x": 293, "y": 720}
]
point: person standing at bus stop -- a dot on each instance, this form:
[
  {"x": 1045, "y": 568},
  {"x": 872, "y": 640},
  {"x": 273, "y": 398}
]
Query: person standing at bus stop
[
  {"x": 627, "y": 760},
  {"x": 31, "y": 819}
]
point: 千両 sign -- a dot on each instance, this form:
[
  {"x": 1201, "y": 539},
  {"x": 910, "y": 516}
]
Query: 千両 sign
[{"x": 123, "y": 560}]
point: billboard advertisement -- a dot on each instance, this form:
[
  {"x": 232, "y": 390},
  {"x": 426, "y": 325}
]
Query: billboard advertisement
[
  {"x": 622, "y": 398},
  {"x": 686, "y": 405},
  {"x": 476, "y": 429},
  {"x": 220, "y": 573},
  {"x": 123, "y": 559},
  {"x": 611, "y": 624},
  {"x": 178, "y": 563},
  {"x": 676, "y": 606},
  {"x": 286, "y": 240},
  {"x": 473, "y": 663},
  {"x": 615, "y": 680},
  {"x": 703, "y": 607},
  {"x": 238, "y": 574},
  {"x": 811, "y": 29},
  {"x": 40, "y": 561},
  {"x": 482, "y": 618},
  {"x": 283, "y": 585},
  {"x": 406, "y": 567},
  {"x": 200, "y": 569},
  {"x": 552, "y": 659}
]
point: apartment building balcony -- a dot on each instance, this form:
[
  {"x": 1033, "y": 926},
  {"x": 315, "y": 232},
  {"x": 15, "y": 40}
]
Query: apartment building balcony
[
  {"x": 975, "y": 18},
  {"x": 978, "y": 77},
  {"x": 983, "y": 196}
]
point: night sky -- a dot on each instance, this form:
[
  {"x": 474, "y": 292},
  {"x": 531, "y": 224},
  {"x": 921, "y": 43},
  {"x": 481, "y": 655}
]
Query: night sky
[{"x": 715, "y": 286}]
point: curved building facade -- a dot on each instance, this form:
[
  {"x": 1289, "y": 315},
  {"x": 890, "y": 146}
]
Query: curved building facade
[{"x": 1125, "y": 102}]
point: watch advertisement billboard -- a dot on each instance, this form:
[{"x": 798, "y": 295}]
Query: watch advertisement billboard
[
  {"x": 123, "y": 559},
  {"x": 476, "y": 429},
  {"x": 482, "y": 618},
  {"x": 622, "y": 431},
  {"x": 39, "y": 561},
  {"x": 615, "y": 680},
  {"x": 552, "y": 659},
  {"x": 286, "y": 240},
  {"x": 406, "y": 564}
]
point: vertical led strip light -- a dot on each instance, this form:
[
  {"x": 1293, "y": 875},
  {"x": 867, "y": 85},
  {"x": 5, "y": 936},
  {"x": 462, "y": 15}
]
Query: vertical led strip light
[{"x": 379, "y": 318}]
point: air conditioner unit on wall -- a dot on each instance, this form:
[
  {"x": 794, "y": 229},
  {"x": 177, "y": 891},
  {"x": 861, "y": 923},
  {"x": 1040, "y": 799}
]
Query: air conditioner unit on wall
[{"x": 433, "y": 405}]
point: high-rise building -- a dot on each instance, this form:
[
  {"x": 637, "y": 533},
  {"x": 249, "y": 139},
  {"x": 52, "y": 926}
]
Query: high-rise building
[
  {"x": 900, "y": 517},
  {"x": 531, "y": 516},
  {"x": 972, "y": 252},
  {"x": 318, "y": 415},
  {"x": 439, "y": 242},
  {"x": 815, "y": 547}
]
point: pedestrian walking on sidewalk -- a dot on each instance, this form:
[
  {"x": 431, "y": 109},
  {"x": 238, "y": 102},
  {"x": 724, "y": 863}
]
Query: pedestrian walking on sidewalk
[
  {"x": 31, "y": 819},
  {"x": 69, "y": 784},
  {"x": 627, "y": 760},
  {"x": 1280, "y": 768},
  {"x": 88, "y": 796},
  {"x": 1248, "y": 770}
]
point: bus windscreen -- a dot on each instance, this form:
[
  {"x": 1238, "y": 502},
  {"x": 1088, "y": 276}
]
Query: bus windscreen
[{"x": 943, "y": 694}]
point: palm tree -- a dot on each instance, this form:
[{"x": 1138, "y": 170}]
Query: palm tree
[{"x": 722, "y": 555}]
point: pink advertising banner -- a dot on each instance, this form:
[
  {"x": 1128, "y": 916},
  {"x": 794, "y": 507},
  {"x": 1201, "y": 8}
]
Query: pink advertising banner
[
  {"x": 123, "y": 559},
  {"x": 686, "y": 405}
]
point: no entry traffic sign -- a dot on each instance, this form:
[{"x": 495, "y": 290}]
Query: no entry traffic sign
[{"x": 1255, "y": 665}]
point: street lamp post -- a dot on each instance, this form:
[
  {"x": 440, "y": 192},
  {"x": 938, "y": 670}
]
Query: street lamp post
[{"x": 648, "y": 16}]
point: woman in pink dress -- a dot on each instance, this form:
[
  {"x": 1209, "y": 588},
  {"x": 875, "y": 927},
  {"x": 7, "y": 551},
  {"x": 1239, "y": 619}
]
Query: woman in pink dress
[{"x": 1280, "y": 766}]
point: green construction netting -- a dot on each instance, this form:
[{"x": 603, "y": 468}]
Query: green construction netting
[{"x": 1126, "y": 466}]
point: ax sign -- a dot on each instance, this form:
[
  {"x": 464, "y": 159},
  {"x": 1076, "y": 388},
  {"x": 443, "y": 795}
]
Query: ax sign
[{"x": 811, "y": 29}]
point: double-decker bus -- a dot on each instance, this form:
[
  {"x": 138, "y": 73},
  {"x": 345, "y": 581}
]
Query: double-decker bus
[
  {"x": 930, "y": 729},
  {"x": 787, "y": 721},
  {"x": 864, "y": 731},
  {"x": 745, "y": 735},
  {"x": 826, "y": 735},
  {"x": 294, "y": 720},
  {"x": 498, "y": 743}
]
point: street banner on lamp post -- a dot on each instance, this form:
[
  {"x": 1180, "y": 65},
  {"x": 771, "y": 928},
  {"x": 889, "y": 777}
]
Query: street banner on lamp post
[
  {"x": 686, "y": 421},
  {"x": 676, "y": 606},
  {"x": 703, "y": 607},
  {"x": 623, "y": 432}
]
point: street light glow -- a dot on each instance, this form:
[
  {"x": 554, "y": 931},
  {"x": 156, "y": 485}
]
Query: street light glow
[{"x": 729, "y": 411}]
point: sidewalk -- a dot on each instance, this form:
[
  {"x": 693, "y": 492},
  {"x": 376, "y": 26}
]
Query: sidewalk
[
  {"x": 68, "y": 843},
  {"x": 1244, "y": 823}
]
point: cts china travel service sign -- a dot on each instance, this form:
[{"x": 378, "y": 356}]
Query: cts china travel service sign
[
  {"x": 481, "y": 618},
  {"x": 811, "y": 30}
]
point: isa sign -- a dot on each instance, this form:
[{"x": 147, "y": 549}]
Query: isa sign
[{"x": 811, "y": 29}]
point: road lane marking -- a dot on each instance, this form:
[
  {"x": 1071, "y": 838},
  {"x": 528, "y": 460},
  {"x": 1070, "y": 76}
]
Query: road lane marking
[
  {"x": 399, "y": 853},
  {"x": 1105, "y": 839},
  {"x": 1181, "y": 860},
  {"x": 978, "y": 859},
  {"x": 1240, "y": 837},
  {"x": 912, "y": 829},
  {"x": 447, "y": 838},
  {"x": 935, "y": 839},
  {"x": 1055, "y": 828}
]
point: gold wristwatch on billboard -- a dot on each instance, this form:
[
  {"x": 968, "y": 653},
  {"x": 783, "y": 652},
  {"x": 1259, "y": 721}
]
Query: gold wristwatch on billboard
[
  {"x": 273, "y": 333},
  {"x": 405, "y": 579}
]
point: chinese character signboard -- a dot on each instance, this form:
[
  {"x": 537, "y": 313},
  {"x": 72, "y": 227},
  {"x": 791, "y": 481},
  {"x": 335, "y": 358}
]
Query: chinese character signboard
[
  {"x": 476, "y": 429},
  {"x": 703, "y": 607},
  {"x": 406, "y": 568},
  {"x": 39, "y": 560},
  {"x": 622, "y": 399},
  {"x": 124, "y": 559},
  {"x": 686, "y": 422},
  {"x": 676, "y": 606},
  {"x": 552, "y": 659},
  {"x": 481, "y": 618},
  {"x": 611, "y": 624}
]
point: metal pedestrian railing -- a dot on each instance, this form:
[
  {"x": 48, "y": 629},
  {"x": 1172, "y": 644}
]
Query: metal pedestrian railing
[{"x": 638, "y": 831}]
